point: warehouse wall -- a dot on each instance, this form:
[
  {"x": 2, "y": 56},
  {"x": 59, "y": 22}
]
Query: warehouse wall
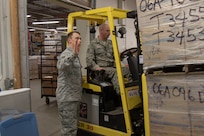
[
  {"x": 22, "y": 9},
  {"x": 6, "y": 51},
  {"x": 6, "y": 65}
]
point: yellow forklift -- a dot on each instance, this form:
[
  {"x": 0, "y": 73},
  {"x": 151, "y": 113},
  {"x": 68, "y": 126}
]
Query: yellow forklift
[{"x": 102, "y": 111}]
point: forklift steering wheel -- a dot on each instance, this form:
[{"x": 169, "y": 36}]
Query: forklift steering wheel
[{"x": 127, "y": 53}]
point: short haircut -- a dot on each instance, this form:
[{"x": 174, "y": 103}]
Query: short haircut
[
  {"x": 101, "y": 27},
  {"x": 69, "y": 35}
]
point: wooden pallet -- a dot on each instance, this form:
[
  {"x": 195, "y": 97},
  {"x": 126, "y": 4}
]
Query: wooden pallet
[{"x": 177, "y": 68}]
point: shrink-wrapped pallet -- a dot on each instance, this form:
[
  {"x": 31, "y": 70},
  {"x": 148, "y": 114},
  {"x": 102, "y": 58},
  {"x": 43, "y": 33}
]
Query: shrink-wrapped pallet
[
  {"x": 176, "y": 102},
  {"x": 172, "y": 32}
]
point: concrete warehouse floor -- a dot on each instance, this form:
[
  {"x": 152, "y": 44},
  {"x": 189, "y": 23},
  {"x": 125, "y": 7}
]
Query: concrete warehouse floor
[{"x": 47, "y": 115}]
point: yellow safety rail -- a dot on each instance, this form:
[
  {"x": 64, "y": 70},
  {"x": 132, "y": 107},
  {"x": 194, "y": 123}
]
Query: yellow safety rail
[{"x": 145, "y": 105}]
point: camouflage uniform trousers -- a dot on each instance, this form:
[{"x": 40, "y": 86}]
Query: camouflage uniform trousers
[
  {"x": 68, "y": 113},
  {"x": 112, "y": 74}
]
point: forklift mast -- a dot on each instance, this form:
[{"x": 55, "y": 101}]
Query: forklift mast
[{"x": 99, "y": 16}]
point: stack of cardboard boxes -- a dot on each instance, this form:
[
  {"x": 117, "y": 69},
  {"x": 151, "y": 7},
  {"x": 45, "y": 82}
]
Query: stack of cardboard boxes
[
  {"x": 36, "y": 40},
  {"x": 172, "y": 34}
]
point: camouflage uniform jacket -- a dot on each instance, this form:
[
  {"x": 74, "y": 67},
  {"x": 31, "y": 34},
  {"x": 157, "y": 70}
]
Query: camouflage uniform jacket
[
  {"x": 100, "y": 54},
  {"x": 69, "y": 81}
]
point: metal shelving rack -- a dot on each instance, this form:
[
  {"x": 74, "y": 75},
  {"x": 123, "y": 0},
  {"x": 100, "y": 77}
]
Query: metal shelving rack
[{"x": 48, "y": 69}]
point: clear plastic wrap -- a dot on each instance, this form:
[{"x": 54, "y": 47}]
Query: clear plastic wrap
[
  {"x": 176, "y": 103},
  {"x": 172, "y": 32}
]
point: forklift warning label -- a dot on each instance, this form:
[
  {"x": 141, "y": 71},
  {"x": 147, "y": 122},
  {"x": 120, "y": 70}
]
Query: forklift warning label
[
  {"x": 133, "y": 92},
  {"x": 83, "y": 110}
]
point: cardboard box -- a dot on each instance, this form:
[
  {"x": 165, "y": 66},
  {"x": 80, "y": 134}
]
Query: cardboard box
[
  {"x": 33, "y": 67},
  {"x": 176, "y": 103},
  {"x": 48, "y": 81},
  {"x": 48, "y": 64},
  {"x": 176, "y": 91},
  {"x": 171, "y": 32},
  {"x": 176, "y": 123},
  {"x": 164, "y": 123},
  {"x": 197, "y": 119},
  {"x": 49, "y": 91}
]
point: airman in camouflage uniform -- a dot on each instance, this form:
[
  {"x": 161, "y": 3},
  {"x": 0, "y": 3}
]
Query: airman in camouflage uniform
[
  {"x": 69, "y": 85},
  {"x": 100, "y": 56}
]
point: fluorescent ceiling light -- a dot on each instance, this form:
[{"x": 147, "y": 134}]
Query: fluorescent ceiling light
[
  {"x": 45, "y": 22},
  {"x": 61, "y": 28},
  {"x": 32, "y": 30},
  {"x": 77, "y": 4}
]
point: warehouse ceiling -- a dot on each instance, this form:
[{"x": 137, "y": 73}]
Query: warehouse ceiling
[{"x": 53, "y": 10}]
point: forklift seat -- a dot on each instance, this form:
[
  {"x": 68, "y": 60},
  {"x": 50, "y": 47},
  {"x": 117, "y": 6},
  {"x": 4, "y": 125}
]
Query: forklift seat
[
  {"x": 96, "y": 77},
  {"x": 109, "y": 97}
]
